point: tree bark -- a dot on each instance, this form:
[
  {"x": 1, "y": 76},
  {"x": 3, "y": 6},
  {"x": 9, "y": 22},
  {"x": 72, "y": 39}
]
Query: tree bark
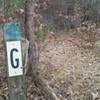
[
  {"x": 33, "y": 51},
  {"x": 29, "y": 29}
]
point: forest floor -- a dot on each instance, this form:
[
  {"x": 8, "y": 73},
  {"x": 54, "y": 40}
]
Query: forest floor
[{"x": 72, "y": 72}]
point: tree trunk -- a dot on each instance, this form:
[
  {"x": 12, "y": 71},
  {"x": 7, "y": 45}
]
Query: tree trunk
[
  {"x": 78, "y": 12},
  {"x": 33, "y": 51}
]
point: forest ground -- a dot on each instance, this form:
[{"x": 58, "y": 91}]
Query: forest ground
[{"x": 73, "y": 72}]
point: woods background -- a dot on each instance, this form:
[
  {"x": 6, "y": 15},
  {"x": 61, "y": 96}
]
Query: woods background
[
  {"x": 72, "y": 13},
  {"x": 61, "y": 30}
]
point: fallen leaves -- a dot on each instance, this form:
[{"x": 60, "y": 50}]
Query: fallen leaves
[{"x": 66, "y": 63}]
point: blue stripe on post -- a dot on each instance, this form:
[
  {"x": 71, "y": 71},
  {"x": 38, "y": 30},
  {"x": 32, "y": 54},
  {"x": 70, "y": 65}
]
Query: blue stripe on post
[{"x": 12, "y": 31}]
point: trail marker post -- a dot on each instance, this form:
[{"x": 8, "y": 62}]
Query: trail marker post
[{"x": 14, "y": 63}]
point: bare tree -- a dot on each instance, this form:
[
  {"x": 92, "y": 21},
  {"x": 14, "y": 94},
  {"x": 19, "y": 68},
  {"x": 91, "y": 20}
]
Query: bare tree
[{"x": 33, "y": 51}]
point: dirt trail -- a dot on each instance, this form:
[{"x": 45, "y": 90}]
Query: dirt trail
[{"x": 71, "y": 71}]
